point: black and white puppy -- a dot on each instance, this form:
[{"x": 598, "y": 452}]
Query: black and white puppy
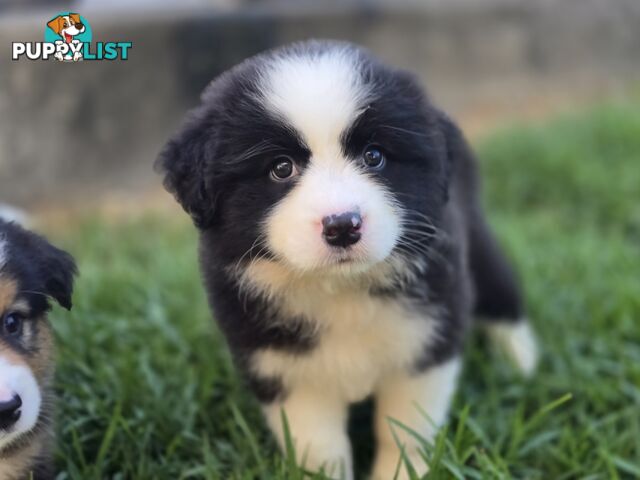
[
  {"x": 342, "y": 245},
  {"x": 31, "y": 272}
]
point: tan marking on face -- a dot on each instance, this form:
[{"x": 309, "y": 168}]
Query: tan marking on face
[
  {"x": 8, "y": 291},
  {"x": 10, "y": 355},
  {"x": 41, "y": 362}
]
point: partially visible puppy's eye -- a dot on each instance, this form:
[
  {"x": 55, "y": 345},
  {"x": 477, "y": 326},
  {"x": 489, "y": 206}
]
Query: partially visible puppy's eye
[
  {"x": 12, "y": 324},
  {"x": 283, "y": 169},
  {"x": 373, "y": 158}
]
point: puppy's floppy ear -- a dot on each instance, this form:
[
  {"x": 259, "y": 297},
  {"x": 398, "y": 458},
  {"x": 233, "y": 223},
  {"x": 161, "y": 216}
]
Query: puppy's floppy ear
[
  {"x": 458, "y": 153},
  {"x": 56, "y": 24},
  {"x": 58, "y": 269},
  {"x": 75, "y": 17},
  {"x": 186, "y": 163},
  {"x": 55, "y": 268}
]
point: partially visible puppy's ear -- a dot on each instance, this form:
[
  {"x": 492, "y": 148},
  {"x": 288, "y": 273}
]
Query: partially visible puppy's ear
[
  {"x": 58, "y": 269},
  {"x": 186, "y": 163},
  {"x": 52, "y": 269}
]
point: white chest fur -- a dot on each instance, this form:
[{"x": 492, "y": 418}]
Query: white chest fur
[{"x": 361, "y": 339}]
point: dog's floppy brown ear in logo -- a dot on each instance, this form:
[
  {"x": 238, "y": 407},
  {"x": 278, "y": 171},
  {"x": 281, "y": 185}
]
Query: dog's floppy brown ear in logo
[{"x": 57, "y": 24}]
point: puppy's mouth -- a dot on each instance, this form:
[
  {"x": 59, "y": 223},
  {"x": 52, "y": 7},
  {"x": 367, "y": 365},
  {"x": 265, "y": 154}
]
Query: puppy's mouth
[
  {"x": 349, "y": 259},
  {"x": 339, "y": 256},
  {"x": 67, "y": 37}
]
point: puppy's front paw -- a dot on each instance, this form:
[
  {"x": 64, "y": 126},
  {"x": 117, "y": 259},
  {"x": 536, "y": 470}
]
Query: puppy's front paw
[
  {"x": 389, "y": 466},
  {"x": 58, "y": 56},
  {"x": 318, "y": 431},
  {"x": 77, "y": 56}
]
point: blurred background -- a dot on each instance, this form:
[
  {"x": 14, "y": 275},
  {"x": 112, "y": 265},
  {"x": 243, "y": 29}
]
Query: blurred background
[
  {"x": 89, "y": 132},
  {"x": 548, "y": 92}
]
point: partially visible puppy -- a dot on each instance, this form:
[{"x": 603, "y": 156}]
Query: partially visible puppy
[{"x": 31, "y": 272}]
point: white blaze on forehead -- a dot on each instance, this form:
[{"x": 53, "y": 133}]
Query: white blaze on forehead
[{"x": 319, "y": 93}]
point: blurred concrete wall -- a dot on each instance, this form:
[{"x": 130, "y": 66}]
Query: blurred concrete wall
[{"x": 79, "y": 131}]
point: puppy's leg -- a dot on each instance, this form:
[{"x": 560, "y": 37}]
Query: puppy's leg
[
  {"x": 518, "y": 341},
  {"x": 419, "y": 402},
  {"x": 317, "y": 423},
  {"x": 498, "y": 298}
]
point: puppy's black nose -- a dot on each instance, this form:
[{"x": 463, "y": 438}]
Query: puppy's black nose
[
  {"x": 10, "y": 412},
  {"x": 79, "y": 26},
  {"x": 342, "y": 230}
]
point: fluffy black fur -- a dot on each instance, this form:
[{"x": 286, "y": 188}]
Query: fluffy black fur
[{"x": 217, "y": 167}]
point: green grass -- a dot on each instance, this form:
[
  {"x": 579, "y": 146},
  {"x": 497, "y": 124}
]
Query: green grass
[{"x": 147, "y": 389}]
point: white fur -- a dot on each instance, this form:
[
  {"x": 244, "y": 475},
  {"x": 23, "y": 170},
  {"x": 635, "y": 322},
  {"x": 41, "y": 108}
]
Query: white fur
[
  {"x": 361, "y": 340},
  {"x": 519, "y": 343},
  {"x": 317, "y": 422},
  {"x": 320, "y": 96},
  {"x": 420, "y": 403},
  {"x": 363, "y": 343},
  {"x": 19, "y": 380}
]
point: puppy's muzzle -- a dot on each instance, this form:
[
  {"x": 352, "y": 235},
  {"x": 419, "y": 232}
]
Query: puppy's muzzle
[
  {"x": 10, "y": 412},
  {"x": 342, "y": 230}
]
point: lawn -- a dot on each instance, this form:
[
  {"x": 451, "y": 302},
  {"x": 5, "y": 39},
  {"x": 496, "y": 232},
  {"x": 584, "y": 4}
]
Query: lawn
[{"x": 147, "y": 389}]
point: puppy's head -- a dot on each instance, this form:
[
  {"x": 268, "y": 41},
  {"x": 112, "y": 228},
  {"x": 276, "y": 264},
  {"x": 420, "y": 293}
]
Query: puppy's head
[
  {"x": 316, "y": 157},
  {"x": 31, "y": 272},
  {"x": 67, "y": 26}
]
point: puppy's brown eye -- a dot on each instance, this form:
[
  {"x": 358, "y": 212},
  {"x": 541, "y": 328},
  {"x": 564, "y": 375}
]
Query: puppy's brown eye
[
  {"x": 373, "y": 157},
  {"x": 12, "y": 324},
  {"x": 283, "y": 169}
]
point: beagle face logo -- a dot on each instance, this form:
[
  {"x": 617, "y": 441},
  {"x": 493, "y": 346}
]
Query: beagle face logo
[
  {"x": 67, "y": 38},
  {"x": 67, "y": 26},
  {"x": 72, "y": 30}
]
